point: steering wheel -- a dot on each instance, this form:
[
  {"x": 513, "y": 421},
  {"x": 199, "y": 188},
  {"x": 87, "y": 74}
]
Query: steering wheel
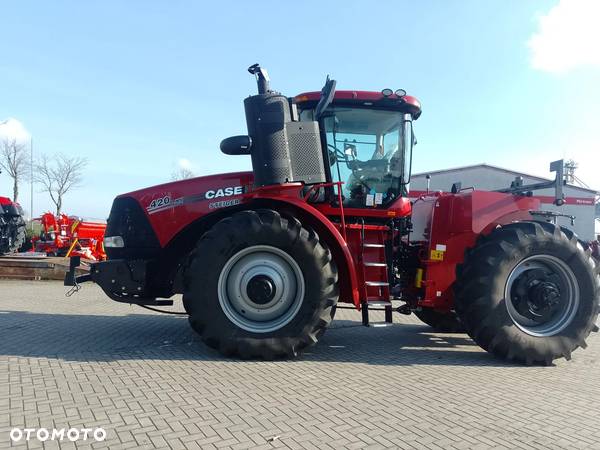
[
  {"x": 361, "y": 181},
  {"x": 338, "y": 153},
  {"x": 341, "y": 156}
]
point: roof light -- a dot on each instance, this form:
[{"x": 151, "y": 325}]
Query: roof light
[
  {"x": 400, "y": 92},
  {"x": 387, "y": 92}
]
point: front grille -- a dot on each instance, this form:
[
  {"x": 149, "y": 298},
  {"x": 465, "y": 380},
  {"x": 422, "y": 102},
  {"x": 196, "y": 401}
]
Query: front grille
[{"x": 127, "y": 219}]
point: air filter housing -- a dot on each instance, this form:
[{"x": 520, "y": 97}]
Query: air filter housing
[{"x": 282, "y": 150}]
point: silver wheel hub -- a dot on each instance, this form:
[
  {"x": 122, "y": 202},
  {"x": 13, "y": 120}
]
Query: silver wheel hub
[
  {"x": 261, "y": 289},
  {"x": 542, "y": 295}
]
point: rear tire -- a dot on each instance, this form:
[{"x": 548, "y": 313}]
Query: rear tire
[
  {"x": 20, "y": 234},
  {"x": 14, "y": 231},
  {"x": 441, "y": 322},
  {"x": 528, "y": 292},
  {"x": 258, "y": 285}
]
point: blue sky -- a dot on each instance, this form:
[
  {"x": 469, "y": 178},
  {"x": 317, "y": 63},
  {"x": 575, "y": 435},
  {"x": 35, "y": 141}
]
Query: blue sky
[{"x": 139, "y": 86}]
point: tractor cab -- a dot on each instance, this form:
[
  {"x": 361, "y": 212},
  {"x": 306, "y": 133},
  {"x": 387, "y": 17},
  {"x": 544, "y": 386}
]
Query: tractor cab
[
  {"x": 358, "y": 140},
  {"x": 369, "y": 138}
]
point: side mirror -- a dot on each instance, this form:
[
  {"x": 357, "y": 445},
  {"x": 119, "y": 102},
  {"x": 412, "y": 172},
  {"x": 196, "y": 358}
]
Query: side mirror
[
  {"x": 327, "y": 94},
  {"x": 237, "y": 145}
]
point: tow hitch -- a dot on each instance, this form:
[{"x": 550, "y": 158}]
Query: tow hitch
[
  {"x": 123, "y": 281},
  {"x": 71, "y": 279}
]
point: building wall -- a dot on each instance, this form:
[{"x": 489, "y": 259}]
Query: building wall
[{"x": 489, "y": 178}]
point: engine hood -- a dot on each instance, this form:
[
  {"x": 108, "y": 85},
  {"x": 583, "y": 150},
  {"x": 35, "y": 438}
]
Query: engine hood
[
  {"x": 218, "y": 180},
  {"x": 5, "y": 201},
  {"x": 170, "y": 207}
]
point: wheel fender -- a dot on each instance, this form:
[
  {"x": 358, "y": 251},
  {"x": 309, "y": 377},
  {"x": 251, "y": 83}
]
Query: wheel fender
[{"x": 327, "y": 232}]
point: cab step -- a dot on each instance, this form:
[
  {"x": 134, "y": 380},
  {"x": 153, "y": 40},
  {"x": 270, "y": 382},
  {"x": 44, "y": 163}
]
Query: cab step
[
  {"x": 377, "y": 305},
  {"x": 377, "y": 283}
]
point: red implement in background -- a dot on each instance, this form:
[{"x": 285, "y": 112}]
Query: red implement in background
[{"x": 70, "y": 236}]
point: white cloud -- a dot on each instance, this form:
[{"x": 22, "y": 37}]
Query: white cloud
[
  {"x": 14, "y": 129},
  {"x": 568, "y": 37},
  {"x": 184, "y": 163}
]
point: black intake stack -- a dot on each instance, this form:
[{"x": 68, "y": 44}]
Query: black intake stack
[{"x": 283, "y": 149}]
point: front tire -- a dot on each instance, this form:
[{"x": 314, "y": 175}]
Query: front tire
[
  {"x": 259, "y": 285},
  {"x": 528, "y": 292}
]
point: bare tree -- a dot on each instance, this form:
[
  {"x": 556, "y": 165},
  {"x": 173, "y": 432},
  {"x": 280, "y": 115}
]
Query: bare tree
[
  {"x": 59, "y": 175},
  {"x": 13, "y": 159},
  {"x": 182, "y": 174}
]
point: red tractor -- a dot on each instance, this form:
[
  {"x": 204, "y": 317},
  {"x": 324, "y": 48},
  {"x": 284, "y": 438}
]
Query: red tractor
[
  {"x": 264, "y": 258},
  {"x": 12, "y": 226}
]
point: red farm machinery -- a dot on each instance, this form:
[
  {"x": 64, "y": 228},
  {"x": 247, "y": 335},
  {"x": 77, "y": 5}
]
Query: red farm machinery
[
  {"x": 12, "y": 226},
  {"x": 64, "y": 235},
  {"x": 264, "y": 258}
]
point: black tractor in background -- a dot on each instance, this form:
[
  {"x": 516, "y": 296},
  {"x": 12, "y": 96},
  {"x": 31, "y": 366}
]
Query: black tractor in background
[{"x": 12, "y": 226}]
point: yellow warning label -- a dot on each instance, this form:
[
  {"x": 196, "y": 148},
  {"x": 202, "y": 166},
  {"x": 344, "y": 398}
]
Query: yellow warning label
[{"x": 437, "y": 255}]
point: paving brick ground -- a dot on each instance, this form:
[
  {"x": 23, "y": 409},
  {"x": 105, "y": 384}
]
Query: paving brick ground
[{"x": 88, "y": 362}]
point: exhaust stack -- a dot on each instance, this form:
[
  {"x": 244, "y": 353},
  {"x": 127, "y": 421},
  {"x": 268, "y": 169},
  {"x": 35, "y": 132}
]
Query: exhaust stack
[
  {"x": 283, "y": 149},
  {"x": 262, "y": 78}
]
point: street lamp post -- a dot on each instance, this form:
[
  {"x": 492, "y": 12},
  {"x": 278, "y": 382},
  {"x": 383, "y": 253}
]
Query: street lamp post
[{"x": 31, "y": 182}]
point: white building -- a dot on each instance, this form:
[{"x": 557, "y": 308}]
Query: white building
[{"x": 579, "y": 202}]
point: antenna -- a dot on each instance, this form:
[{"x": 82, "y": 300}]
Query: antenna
[{"x": 570, "y": 168}]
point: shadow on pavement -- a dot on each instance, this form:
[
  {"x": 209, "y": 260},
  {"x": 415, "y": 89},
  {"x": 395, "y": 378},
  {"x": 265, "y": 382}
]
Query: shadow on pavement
[{"x": 74, "y": 337}]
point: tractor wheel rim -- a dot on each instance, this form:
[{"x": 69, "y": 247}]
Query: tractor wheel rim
[
  {"x": 542, "y": 295},
  {"x": 261, "y": 289}
]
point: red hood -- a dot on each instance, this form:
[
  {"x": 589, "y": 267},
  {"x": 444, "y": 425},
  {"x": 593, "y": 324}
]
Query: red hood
[
  {"x": 209, "y": 181},
  {"x": 5, "y": 201}
]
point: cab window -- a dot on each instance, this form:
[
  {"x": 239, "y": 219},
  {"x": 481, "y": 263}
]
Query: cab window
[{"x": 365, "y": 148}]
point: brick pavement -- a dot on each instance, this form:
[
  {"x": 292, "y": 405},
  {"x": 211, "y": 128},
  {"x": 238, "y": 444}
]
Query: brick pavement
[{"x": 86, "y": 361}]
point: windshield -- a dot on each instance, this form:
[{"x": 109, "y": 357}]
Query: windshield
[{"x": 367, "y": 152}]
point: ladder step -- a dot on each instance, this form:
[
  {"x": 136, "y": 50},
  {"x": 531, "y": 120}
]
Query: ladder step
[
  {"x": 380, "y": 324},
  {"x": 377, "y": 283},
  {"x": 378, "y": 303},
  {"x": 374, "y": 264},
  {"x": 373, "y": 245},
  {"x": 366, "y": 307}
]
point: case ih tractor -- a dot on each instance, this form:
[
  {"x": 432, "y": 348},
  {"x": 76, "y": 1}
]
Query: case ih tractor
[
  {"x": 263, "y": 258},
  {"x": 12, "y": 226}
]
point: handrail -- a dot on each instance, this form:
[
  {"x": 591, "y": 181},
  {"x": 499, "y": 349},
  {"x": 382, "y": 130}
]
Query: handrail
[{"x": 340, "y": 200}]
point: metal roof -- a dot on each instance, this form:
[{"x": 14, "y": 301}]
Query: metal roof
[{"x": 498, "y": 169}]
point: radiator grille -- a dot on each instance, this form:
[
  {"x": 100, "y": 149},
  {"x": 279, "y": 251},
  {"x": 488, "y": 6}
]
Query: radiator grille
[{"x": 305, "y": 152}]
